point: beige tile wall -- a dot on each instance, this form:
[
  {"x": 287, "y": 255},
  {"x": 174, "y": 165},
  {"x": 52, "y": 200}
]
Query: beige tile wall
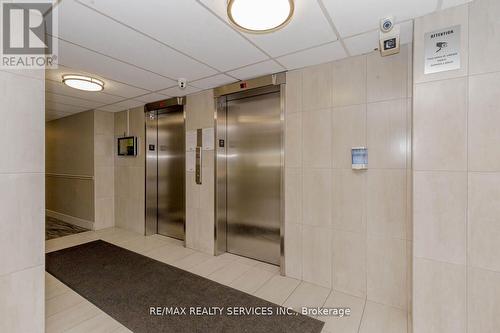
[
  {"x": 70, "y": 151},
  {"x": 348, "y": 229},
  {"x": 22, "y": 182},
  {"x": 104, "y": 170},
  {"x": 129, "y": 173},
  {"x": 457, "y": 178},
  {"x": 200, "y": 109}
]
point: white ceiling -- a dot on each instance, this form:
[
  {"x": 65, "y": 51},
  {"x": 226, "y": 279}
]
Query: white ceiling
[{"x": 141, "y": 48}]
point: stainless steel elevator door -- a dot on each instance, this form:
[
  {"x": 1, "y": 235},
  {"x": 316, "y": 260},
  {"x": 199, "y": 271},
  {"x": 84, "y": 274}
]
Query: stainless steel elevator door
[
  {"x": 253, "y": 182},
  {"x": 171, "y": 174}
]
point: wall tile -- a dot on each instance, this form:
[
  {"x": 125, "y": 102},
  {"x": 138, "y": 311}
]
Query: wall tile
[
  {"x": 104, "y": 182},
  {"x": 316, "y": 255},
  {"x": 349, "y": 81},
  {"x": 483, "y": 301},
  {"x": 348, "y": 131},
  {"x": 293, "y": 140},
  {"x": 484, "y": 117},
  {"x": 484, "y": 40},
  {"x": 104, "y": 123},
  {"x": 484, "y": 220},
  {"x": 317, "y": 87},
  {"x": 23, "y": 123},
  {"x": 439, "y": 297},
  {"x": 440, "y": 122},
  {"x": 22, "y": 226},
  {"x": 386, "y": 203},
  {"x": 192, "y": 192},
  {"x": 317, "y": 196},
  {"x": 386, "y": 134},
  {"x": 317, "y": 139},
  {"x": 386, "y": 266},
  {"x": 349, "y": 262},
  {"x": 293, "y": 195},
  {"x": 104, "y": 213},
  {"x": 440, "y": 206},
  {"x": 441, "y": 20},
  {"x": 349, "y": 200},
  {"x": 22, "y": 301},
  {"x": 293, "y": 250},
  {"x": 293, "y": 93},
  {"x": 387, "y": 77}
]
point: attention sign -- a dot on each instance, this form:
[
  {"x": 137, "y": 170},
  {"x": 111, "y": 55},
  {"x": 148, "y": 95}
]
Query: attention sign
[{"x": 442, "y": 50}]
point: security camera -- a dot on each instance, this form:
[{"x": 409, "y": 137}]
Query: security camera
[
  {"x": 182, "y": 83},
  {"x": 386, "y": 24}
]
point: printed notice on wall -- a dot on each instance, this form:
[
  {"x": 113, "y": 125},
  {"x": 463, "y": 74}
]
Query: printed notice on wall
[
  {"x": 442, "y": 50},
  {"x": 208, "y": 138},
  {"x": 190, "y": 161},
  {"x": 190, "y": 140}
]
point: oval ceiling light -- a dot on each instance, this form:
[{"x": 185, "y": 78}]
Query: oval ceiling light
[
  {"x": 82, "y": 82},
  {"x": 260, "y": 16}
]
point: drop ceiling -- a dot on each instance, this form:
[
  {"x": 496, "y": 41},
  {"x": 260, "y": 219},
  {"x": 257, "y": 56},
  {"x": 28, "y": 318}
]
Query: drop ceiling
[{"x": 140, "y": 48}]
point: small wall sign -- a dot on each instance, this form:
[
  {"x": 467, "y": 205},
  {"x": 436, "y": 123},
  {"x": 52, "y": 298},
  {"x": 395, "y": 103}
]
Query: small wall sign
[{"x": 442, "y": 50}]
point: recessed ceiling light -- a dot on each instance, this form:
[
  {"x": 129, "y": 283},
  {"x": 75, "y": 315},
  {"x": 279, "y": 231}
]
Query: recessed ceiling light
[
  {"x": 81, "y": 82},
  {"x": 260, "y": 16}
]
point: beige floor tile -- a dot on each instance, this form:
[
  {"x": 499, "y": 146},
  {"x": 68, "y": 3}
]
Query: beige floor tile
[
  {"x": 252, "y": 280},
  {"x": 378, "y": 318},
  {"x": 268, "y": 267},
  {"x": 71, "y": 317},
  {"x": 277, "y": 289},
  {"x": 210, "y": 266},
  {"x": 192, "y": 260},
  {"x": 68, "y": 241},
  {"x": 62, "y": 302},
  {"x": 229, "y": 272},
  {"x": 102, "y": 323},
  {"x": 345, "y": 324},
  {"x": 144, "y": 244},
  {"x": 307, "y": 295},
  {"x": 169, "y": 253}
]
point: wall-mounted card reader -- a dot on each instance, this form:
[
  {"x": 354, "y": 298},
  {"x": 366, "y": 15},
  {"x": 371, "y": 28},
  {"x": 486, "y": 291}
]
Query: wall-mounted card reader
[
  {"x": 359, "y": 158},
  {"x": 199, "y": 152}
]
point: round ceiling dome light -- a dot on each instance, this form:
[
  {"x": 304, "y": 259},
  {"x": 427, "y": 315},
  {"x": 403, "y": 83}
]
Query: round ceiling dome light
[
  {"x": 82, "y": 82},
  {"x": 260, "y": 16}
]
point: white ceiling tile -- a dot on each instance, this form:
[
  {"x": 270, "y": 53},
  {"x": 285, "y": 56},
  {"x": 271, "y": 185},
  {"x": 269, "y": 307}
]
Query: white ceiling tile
[
  {"x": 123, "y": 105},
  {"x": 177, "y": 92},
  {"x": 308, "y": 28},
  {"x": 262, "y": 68},
  {"x": 453, "y": 3},
  {"x": 213, "y": 81},
  {"x": 71, "y": 100},
  {"x": 53, "y": 115},
  {"x": 110, "y": 86},
  {"x": 154, "y": 97},
  {"x": 65, "y": 107},
  {"x": 77, "y": 57},
  {"x": 329, "y": 52},
  {"x": 362, "y": 44},
  {"x": 358, "y": 16},
  {"x": 197, "y": 32},
  {"x": 61, "y": 89},
  {"x": 106, "y": 36}
]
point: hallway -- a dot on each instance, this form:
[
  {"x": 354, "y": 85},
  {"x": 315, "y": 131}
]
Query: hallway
[{"x": 66, "y": 311}]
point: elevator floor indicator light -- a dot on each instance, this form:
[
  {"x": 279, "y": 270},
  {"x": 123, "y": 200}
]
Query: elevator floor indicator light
[{"x": 359, "y": 158}]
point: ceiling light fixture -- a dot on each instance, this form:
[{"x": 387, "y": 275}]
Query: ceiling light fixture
[
  {"x": 81, "y": 82},
  {"x": 260, "y": 16}
]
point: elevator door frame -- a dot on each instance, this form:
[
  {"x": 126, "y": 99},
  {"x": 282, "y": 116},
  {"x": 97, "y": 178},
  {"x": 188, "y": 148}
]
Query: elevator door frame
[
  {"x": 151, "y": 112},
  {"x": 255, "y": 87}
]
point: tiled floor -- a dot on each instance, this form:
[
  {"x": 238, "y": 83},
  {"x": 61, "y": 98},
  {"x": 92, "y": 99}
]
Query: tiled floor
[
  {"x": 66, "y": 311},
  {"x": 55, "y": 228}
]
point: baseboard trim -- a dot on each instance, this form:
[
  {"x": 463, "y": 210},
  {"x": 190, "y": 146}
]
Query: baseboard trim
[{"x": 70, "y": 219}]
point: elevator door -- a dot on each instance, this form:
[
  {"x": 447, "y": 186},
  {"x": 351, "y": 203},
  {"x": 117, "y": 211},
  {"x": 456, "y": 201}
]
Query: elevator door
[
  {"x": 253, "y": 184},
  {"x": 171, "y": 159}
]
